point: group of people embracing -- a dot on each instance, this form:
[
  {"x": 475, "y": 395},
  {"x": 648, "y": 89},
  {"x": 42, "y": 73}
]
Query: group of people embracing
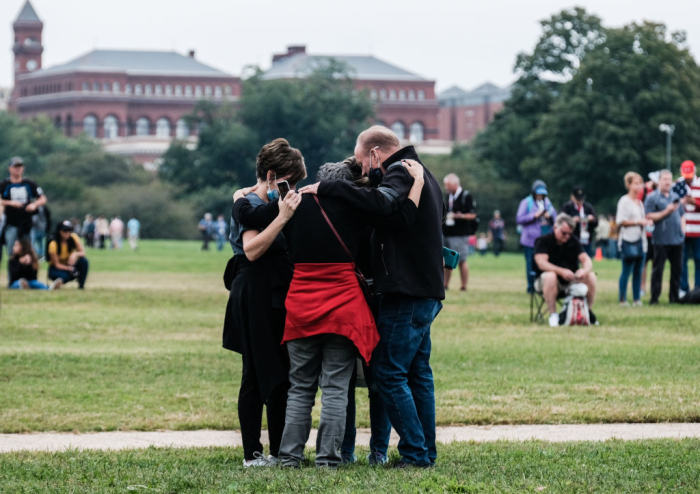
[{"x": 300, "y": 315}]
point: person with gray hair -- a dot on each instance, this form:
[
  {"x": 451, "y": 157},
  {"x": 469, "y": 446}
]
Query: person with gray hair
[
  {"x": 460, "y": 224},
  {"x": 561, "y": 260},
  {"x": 663, "y": 207}
]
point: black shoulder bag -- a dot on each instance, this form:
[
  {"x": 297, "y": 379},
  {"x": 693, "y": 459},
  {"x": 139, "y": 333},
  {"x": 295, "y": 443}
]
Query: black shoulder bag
[{"x": 364, "y": 285}]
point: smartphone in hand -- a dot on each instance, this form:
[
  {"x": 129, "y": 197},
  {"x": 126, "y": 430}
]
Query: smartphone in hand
[{"x": 283, "y": 187}]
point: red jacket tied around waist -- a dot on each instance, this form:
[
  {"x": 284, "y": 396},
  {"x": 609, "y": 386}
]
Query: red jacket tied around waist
[{"x": 327, "y": 298}]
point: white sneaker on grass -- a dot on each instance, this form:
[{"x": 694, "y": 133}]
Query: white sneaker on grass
[
  {"x": 554, "y": 320},
  {"x": 273, "y": 460},
  {"x": 260, "y": 460},
  {"x": 58, "y": 283}
]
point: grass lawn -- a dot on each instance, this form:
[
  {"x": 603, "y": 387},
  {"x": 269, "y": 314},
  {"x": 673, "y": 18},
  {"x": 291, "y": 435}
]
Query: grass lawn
[
  {"x": 645, "y": 466},
  {"x": 140, "y": 349}
]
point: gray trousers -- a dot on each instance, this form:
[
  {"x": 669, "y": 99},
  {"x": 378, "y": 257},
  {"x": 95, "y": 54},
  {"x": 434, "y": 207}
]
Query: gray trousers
[{"x": 331, "y": 358}]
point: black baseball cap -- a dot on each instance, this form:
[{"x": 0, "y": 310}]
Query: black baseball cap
[
  {"x": 66, "y": 226},
  {"x": 578, "y": 193},
  {"x": 16, "y": 161}
]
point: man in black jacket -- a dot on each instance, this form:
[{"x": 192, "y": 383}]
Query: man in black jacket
[
  {"x": 584, "y": 215},
  {"x": 408, "y": 273}
]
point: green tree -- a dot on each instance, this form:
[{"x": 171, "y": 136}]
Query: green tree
[
  {"x": 320, "y": 115},
  {"x": 565, "y": 40},
  {"x": 606, "y": 120}
]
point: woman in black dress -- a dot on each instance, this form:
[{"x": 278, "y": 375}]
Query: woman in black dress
[{"x": 255, "y": 314}]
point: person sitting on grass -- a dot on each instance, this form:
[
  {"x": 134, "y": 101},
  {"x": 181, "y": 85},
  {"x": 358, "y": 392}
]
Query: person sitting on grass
[
  {"x": 557, "y": 258},
  {"x": 67, "y": 257},
  {"x": 23, "y": 267}
]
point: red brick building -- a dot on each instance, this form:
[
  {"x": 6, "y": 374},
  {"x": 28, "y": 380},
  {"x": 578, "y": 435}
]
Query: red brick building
[
  {"x": 135, "y": 101},
  {"x": 138, "y": 96},
  {"x": 463, "y": 114},
  {"x": 405, "y": 102}
]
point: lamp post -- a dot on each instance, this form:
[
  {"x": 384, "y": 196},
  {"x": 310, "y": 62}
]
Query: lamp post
[{"x": 668, "y": 129}]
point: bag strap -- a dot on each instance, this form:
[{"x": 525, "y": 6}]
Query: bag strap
[{"x": 335, "y": 232}]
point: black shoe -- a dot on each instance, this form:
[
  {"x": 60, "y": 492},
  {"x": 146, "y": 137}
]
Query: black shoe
[{"x": 653, "y": 302}]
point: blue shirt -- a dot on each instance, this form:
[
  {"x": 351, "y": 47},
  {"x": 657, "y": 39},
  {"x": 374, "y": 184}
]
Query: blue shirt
[
  {"x": 133, "y": 226},
  {"x": 236, "y": 236},
  {"x": 668, "y": 231}
]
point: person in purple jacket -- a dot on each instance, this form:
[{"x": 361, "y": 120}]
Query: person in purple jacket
[{"x": 536, "y": 216}]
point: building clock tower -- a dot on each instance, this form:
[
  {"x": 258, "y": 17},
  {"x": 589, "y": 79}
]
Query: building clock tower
[{"x": 27, "y": 46}]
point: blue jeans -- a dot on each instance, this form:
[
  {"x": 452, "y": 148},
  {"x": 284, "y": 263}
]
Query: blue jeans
[
  {"x": 80, "y": 273},
  {"x": 530, "y": 267},
  {"x": 379, "y": 420},
  {"x": 633, "y": 267},
  {"x": 33, "y": 285},
  {"x": 694, "y": 245},
  {"x": 38, "y": 238},
  {"x": 613, "y": 249},
  {"x": 403, "y": 374}
]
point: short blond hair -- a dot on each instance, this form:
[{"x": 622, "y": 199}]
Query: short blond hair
[
  {"x": 378, "y": 136},
  {"x": 629, "y": 178}
]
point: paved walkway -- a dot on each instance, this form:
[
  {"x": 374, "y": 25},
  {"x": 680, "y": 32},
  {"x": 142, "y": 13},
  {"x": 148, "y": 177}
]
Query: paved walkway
[{"x": 204, "y": 438}]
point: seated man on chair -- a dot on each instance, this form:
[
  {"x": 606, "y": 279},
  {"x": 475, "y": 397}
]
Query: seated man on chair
[{"x": 558, "y": 256}]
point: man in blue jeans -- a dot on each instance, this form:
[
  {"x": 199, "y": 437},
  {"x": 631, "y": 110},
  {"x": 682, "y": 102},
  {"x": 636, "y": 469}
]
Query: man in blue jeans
[{"x": 408, "y": 273}]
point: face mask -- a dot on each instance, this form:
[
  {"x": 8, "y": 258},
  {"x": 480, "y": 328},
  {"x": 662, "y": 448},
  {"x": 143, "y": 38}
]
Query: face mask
[
  {"x": 272, "y": 194},
  {"x": 375, "y": 175}
]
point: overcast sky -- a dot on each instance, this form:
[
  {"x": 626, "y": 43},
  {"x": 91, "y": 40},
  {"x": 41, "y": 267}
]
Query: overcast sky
[{"x": 462, "y": 42}]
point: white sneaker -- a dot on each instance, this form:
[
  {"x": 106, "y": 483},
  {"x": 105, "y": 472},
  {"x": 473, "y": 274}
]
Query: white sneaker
[
  {"x": 681, "y": 293},
  {"x": 273, "y": 460},
  {"x": 637, "y": 303},
  {"x": 259, "y": 461},
  {"x": 553, "y": 320},
  {"x": 58, "y": 283}
]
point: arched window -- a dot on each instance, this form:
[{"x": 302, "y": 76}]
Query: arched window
[
  {"x": 411, "y": 95},
  {"x": 188, "y": 91},
  {"x": 159, "y": 90},
  {"x": 416, "y": 134},
  {"x": 181, "y": 129},
  {"x": 143, "y": 127},
  {"x": 111, "y": 127},
  {"x": 198, "y": 91},
  {"x": 163, "y": 127},
  {"x": 168, "y": 90},
  {"x": 127, "y": 89},
  {"x": 402, "y": 95},
  {"x": 392, "y": 94},
  {"x": 90, "y": 126},
  {"x": 218, "y": 92},
  {"x": 228, "y": 90},
  {"x": 399, "y": 129},
  {"x": 178, "y": 90},
  {"x": 208, "y": 91},
  {"x": 69, "y": 125},
  {"x": 106, "y": 87},
  {"x": 421, "y": 95},
  {"x": 138, "y": 89},
  {"x": 148, "y": 90},
  {"x": 116, "y": 87},
  {"x": 373, "y": 94},
  {"x": 382, "y": 94},
  {"x": 95, "y": 86}
]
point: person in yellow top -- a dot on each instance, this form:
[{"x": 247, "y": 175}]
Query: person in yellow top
[{"x": 67, "y": 256}]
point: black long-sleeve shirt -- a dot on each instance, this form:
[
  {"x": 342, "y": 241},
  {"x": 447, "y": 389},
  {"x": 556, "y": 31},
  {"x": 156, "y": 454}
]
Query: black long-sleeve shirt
[
  {"x": 407, "y": 256},
  {"x": 18, "y": 270}
]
